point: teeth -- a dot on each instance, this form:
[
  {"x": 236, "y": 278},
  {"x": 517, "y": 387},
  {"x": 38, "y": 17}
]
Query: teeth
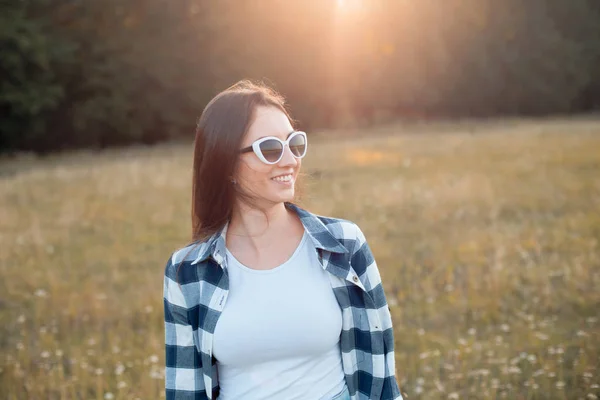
[{"x": 284, "y": 178}]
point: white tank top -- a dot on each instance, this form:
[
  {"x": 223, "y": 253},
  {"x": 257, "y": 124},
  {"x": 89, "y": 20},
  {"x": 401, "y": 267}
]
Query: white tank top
[{"x": 278, "y": 336}]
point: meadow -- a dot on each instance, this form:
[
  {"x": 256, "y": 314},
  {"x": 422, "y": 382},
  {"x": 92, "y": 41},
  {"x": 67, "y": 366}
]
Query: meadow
[{"x": 486, "y": 235}]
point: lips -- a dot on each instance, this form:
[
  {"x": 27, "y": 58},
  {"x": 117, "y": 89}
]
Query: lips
[{"x": 283, "y": 178}]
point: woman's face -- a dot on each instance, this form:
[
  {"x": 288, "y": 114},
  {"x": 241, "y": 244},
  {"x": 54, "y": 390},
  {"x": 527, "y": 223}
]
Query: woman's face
[{"x": 256, "y": 177}]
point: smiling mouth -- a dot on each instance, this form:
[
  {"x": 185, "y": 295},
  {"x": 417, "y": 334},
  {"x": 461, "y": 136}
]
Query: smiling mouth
[{"x": 283, "y": 178}]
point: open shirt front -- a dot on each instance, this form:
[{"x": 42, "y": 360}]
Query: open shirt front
[{"x": 195, "y": 291}]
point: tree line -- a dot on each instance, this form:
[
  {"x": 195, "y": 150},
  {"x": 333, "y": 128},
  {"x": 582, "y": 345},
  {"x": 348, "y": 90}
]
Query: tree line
[{"x": 100, "y": 73}]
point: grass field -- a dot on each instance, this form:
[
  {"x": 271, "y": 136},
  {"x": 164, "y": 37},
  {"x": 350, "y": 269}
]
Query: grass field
[{"x": 486, "y": 235}]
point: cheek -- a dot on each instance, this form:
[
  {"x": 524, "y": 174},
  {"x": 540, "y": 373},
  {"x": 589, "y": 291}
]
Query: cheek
[{"x": 253, "y": 171}]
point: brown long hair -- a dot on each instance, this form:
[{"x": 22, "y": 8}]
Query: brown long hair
[{"x": 219, "y": 134}]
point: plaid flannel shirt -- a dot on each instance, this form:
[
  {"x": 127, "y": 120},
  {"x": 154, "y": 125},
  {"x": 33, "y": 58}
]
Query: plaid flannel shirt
[{"x": 195, "y": 296}]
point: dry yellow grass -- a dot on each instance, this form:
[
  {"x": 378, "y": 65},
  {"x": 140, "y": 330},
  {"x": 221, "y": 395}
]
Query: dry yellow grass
[{"x": 488, "y": 245}]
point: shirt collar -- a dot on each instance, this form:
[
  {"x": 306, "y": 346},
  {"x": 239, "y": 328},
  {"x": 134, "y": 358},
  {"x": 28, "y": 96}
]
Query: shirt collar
[{"x": 319, "y": 233}]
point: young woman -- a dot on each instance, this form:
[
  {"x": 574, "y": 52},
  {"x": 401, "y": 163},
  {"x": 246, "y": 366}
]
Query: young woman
[{"x": 269, "y": 301}]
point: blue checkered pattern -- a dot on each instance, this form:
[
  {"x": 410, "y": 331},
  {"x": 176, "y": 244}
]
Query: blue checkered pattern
[{"x": 196, "y": 288}]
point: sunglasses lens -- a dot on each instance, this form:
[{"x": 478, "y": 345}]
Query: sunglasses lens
[
  {"x": 271, "y": 150},
  {"x": 298, "y": 145}
]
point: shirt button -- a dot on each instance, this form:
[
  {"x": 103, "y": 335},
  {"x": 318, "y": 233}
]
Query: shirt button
[{"x": 355, "y": 278}]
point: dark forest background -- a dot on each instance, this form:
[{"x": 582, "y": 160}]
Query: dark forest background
[{"x": 98, "y": 73}]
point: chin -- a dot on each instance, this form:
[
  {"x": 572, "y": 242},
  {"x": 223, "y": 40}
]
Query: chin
[{"x": 280, "y": 198}]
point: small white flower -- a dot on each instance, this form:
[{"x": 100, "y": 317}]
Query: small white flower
[
  {"x": 109, "y": 396},
  {"x": 120, "y": 368},
  {"x": 514, "y": 370},
  {"x": 439, "y": 385},
  {"x": 448, "y": 367},
  {"x": 155, "y": 375}
]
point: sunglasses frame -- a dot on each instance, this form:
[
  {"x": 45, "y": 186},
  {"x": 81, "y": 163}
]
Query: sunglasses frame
[{"x": 255, "y": 147}]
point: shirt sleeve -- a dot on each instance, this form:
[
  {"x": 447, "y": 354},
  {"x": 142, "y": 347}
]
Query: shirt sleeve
[
  {"x": 371, "y": 278},
  {"x": 183, "y": 369}
]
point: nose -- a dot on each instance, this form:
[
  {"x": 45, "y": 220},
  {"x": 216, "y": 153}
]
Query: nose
[{"x": 288, "y": 158}]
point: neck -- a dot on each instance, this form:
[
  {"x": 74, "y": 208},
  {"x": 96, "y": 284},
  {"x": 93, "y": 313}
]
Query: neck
[{"x": 258, "y": 224}]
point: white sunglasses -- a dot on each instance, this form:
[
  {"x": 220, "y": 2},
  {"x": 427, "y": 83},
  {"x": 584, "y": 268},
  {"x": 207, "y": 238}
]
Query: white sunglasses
[{"x": 270, "y": 149}]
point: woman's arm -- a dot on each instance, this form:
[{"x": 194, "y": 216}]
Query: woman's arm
[
  {"x": 362, "y": 256},
  {"x": 183, "y": 372}
]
